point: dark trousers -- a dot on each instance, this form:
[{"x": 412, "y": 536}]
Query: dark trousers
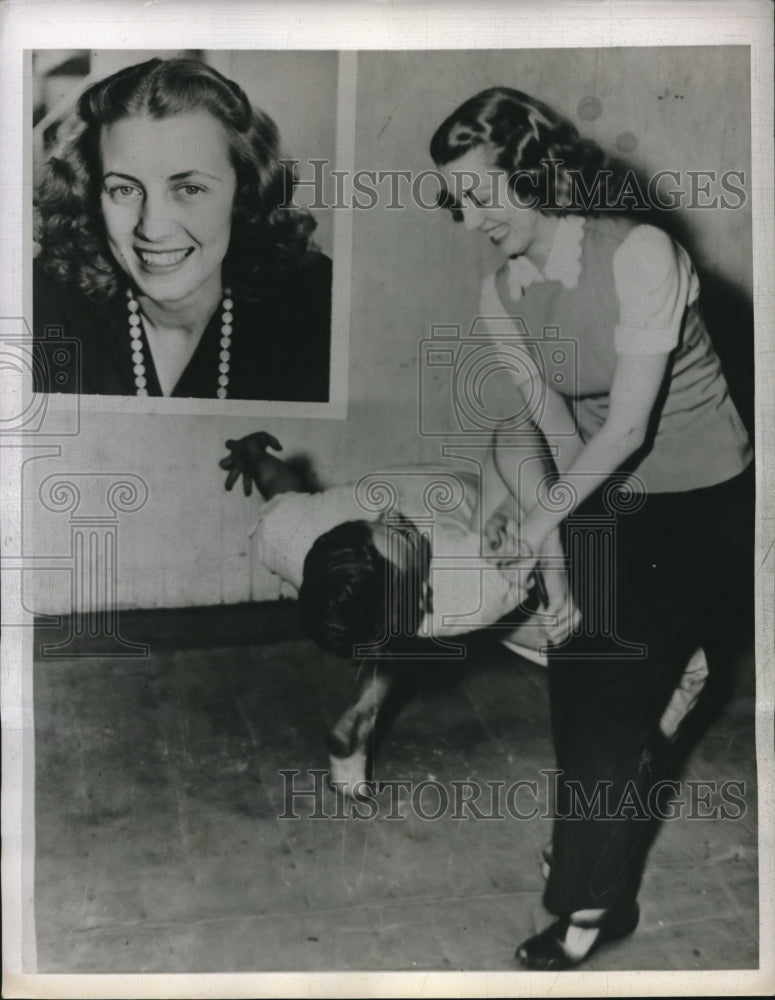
[{"x": 682, "y": 568}]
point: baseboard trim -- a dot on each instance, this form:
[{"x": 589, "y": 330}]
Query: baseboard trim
[{"x": 172, "y": 628}]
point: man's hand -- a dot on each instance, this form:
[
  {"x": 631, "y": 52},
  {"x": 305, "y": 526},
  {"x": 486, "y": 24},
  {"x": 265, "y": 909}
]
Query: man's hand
[
  {"x": 247, "y": 458},
  {"x": 502, "y": 535}
]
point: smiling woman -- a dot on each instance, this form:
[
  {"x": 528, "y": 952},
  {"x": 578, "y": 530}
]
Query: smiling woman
[
  {"x": 638, "y": 397},
  {"x": 167, "y": 253}
]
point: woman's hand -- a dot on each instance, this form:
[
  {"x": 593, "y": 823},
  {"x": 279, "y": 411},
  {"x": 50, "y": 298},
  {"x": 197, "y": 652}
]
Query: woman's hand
[{"x": 247, "y": 457}]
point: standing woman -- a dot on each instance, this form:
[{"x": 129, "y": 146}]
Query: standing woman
[
  {"x": 647, "y": 397},
  {"x": 167, "y": 250}
]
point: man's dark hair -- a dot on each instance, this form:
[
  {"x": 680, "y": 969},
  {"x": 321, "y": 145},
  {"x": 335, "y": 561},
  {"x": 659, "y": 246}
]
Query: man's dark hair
[{"x": 351, "y": 595}]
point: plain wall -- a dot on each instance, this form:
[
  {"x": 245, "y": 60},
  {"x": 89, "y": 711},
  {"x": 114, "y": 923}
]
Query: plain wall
[{"x": 687, "y": 109}]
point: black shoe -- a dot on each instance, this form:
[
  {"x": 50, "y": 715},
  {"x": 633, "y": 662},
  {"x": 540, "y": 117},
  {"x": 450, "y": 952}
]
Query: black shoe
[{"x": 546, "y": 951}]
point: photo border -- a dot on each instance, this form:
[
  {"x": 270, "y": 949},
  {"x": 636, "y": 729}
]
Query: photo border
[
  {"x": 336, "y": 406},
  {"x": 358, "y": 26}
]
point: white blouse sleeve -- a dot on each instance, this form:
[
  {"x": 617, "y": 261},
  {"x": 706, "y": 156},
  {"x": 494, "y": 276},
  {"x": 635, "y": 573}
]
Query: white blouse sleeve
[{"x": 655, "y": 282}]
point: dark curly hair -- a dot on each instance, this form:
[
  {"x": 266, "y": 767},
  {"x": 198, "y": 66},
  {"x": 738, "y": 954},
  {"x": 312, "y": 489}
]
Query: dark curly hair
[
  {"x": 266, "y": 238},
  {"x": 352, "y": 595},
  {"x": 547, "y": 162}
]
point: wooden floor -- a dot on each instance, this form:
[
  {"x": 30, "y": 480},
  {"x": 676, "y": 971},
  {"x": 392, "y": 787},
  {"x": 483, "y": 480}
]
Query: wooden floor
[{"x": 159, "y": 846}]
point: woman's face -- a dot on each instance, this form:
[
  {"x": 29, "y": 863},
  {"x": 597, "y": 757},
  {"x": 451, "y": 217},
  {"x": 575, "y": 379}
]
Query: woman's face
[
  {"x": 488, "y": 205},
  {"x": 167, "y": 194}
]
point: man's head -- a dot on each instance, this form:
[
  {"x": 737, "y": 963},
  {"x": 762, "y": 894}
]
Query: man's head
[{"x": 365, "y": 583}]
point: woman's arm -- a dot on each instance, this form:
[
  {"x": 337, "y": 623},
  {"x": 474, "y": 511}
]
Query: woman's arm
[
  {"x": 553, "y": 445},
  {"x": 654, "y": 283},
  {"x": 248, "y": 458},
  {"x": 558, "y": 427},
  {"x": 523, "y": 469},
  {"x": 636, "y": 385}
]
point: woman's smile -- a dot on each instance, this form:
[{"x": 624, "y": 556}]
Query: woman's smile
[{"x": 162, "y": 261}]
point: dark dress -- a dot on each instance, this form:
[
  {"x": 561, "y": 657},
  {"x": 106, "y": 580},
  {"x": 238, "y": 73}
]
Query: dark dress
[{"x": 280, "y": 345}]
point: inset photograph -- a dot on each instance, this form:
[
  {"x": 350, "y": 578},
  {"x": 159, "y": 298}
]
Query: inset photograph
[{"x": 171, "y": 249}]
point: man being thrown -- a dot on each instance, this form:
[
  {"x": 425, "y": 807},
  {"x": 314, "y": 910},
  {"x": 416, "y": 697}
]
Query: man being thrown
[
  {"x": 365, "y": 578},
  {"x": 370, "y": 580},
  {"x": 396, "y": 585}
]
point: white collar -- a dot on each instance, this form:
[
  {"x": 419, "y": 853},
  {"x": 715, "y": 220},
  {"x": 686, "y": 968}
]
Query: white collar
[{"x": 562, "y": 264}]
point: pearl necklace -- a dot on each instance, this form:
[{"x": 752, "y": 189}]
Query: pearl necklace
[{"x": 138, "y": 358}]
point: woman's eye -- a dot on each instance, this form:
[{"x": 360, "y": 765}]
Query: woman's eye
[
  {"x": 122, "y": 193},
  {"x": 190, "y": 190}
]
